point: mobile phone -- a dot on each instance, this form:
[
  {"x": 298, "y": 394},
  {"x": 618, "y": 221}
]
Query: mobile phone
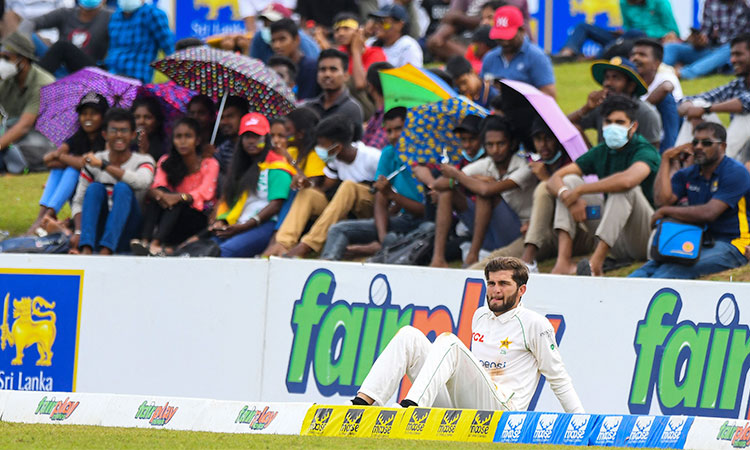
[{"x": 594, "y": 212}]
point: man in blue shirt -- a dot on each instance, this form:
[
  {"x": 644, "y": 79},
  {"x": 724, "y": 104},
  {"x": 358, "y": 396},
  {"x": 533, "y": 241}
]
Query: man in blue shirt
[
  {"x": 137, "y": 32},
  {"x": 285, "y": 41},
  {"x": 717, "y": 189},
  {"x": 367, "y": 236},
  {"x": 516, "y": 57},
  {"x": 260, "y": 48}
]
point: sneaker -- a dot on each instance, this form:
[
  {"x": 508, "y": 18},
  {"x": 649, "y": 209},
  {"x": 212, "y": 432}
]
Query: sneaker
[{"x": 533, "y": 268}]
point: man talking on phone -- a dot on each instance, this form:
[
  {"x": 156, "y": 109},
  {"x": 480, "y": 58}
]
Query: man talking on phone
[{"x": 626, "y": 165}]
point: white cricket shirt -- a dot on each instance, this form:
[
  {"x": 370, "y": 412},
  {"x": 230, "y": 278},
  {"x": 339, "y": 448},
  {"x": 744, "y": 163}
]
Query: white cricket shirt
[{"x": 515, "y": 348}]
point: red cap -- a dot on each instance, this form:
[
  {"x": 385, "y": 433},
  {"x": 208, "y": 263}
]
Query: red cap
[
  {"x": 506, "y": 23},
  {"x": 275, "y": 12},
  {"x": 256, "y": 123}
]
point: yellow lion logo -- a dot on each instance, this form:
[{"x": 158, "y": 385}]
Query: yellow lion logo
[
  {"x": 26, "y": 331},
  {"x": 592, "y": 8},
  {"x": 215, "y": 5}
]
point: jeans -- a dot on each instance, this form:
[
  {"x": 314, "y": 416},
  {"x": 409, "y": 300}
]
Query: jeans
[
  {"x": 285, "y": 209},
  {"x": 722, "y": 256},
  {"x": 65, "y": 54},
  {"x": 584, "y": 32},
  {"x": 12, "y": 160},
  {"x": 504, "y": 227},
  {"x": 698, "y": 63},
  {"x": 363, "y": 231},
  {"x": 111, "y": 228},
  {"x": 670, "y": 121},
  {"x": 61, "y": 183},
  {"x": 249, "y": 243}
]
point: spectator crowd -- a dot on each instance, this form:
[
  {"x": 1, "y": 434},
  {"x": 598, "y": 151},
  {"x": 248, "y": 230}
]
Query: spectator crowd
[{"x": 329, "y": 179}]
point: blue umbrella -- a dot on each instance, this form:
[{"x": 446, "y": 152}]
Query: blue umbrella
[{"x": 428, "y": 130}]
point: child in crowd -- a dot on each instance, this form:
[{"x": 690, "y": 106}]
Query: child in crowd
[
  {"x": 66, "y": 162},
  {"x": 256, "y": 187},
  {"x": 149, "y": 124},
  {"x": 468, "y": 83},
  {"x": 184, "y": 187}
]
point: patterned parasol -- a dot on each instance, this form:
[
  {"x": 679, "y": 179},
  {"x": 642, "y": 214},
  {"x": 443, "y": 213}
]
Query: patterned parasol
[
  {"x": 58, "y": 119},
  {"x": 172, "y": 97}
]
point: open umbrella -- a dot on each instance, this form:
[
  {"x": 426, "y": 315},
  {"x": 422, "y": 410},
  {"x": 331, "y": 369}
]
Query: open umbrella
[
  {"x": 172, "y": 97},
  {"x": 218, "y": 74},
  {"x": 58, "y": 119},
  {"x": 428, "y": 130},
  {"x": 409, "y": 86},
  {"x": 550, "y": 112}
]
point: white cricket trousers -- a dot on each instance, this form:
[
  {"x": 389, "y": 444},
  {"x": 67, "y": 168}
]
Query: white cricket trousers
[{"x": 444, "y": 374}]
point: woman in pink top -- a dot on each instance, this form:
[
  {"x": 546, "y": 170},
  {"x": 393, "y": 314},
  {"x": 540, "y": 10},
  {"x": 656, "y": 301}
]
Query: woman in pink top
[{"x": 184, "y": 189}]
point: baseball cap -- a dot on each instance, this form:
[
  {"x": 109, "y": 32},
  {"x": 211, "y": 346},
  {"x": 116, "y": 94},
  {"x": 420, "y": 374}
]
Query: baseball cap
[
  {"x": 94, "y": 100},
  {"x": 470, "y": 124},
  {"x": 255, "y": 123},
  {"x": 507, "y": 21},
  {"x": 624, "y": 66},
  {"x": 394, "y": 11},
  {"x": 275, "y": 12}
]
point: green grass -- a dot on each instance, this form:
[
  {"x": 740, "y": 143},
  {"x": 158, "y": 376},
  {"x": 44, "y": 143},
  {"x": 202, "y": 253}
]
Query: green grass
[{"x": 20, "y": 436}]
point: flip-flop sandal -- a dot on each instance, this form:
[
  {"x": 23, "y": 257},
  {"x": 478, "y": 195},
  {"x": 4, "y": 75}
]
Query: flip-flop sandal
[
  {"x": 583, "y": 268},
  {"x": 138, "y": 248}
]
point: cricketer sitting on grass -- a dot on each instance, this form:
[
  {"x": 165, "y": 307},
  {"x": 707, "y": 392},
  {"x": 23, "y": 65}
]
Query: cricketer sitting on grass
[{"x": 511, "y": 347}]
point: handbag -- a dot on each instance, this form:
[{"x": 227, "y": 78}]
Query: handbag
[
  {"x": 676, "y": 242},
  {"x": 413, "y": 249}
]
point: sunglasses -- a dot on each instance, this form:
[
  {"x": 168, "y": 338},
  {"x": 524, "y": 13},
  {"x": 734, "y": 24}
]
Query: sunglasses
[{"x": 705, "y": 142}]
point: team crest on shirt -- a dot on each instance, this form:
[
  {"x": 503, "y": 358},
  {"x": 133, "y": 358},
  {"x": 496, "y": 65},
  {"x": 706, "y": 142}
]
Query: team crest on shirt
[
  {"x": 715, "y": 186},
  {"x": 505, "y": 343}
]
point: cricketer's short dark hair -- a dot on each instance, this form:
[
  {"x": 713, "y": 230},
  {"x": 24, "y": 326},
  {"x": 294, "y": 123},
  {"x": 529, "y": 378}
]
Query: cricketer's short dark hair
[
  {"x": 399, "y": 112},
  {"x": 740, "y": 38},
  {"x": 496, "y": 123},
  {"x": 336, "y": 128},
  {"x": 374, "y": 78},
  {"x": 717, "y": 130},
  {"x": 458, "y": 66},
  {"x": 335, "y": 53},
  {"x": 119, "y": 115},
  {"x": 619, "y": 102},
  {"x": 520, "y": 271},
  {"x": 656, "y": 48},
  {"x": 287, "y": 25},
  {"x": 279, "y": 60}
]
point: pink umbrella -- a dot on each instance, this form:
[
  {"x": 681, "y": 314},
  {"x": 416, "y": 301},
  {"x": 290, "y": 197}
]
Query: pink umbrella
[{"x": 556, "y": 120}]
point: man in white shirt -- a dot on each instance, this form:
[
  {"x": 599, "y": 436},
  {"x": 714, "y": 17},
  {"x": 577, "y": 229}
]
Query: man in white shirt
[
  {"x": 391, "y": 28},
  {"x": 512, "y": 346}
]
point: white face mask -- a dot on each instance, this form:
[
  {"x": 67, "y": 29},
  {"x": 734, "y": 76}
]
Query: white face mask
[
  {"x": 129, "y": 5},
  {"x": 7, "y": 69}
]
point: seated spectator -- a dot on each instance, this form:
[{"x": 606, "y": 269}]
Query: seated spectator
[
  {"x": 539, "y": 240},
  {"x": 717, "y": 189},
  {"x": 137, "y": 32},
  {"x": 618, "y": 76},
  {"x": 707, "y": 49},
  {"x": 391, "y": 27},
  {"x": 468, "y": 83},
  {"x": 184, "y": 187},
  {"x": 732, "y": 98},
  {"x": 20, "y": 81},
  {"x": 17, "y": 11},
  {"x": 84, "y": 35},
  {"x": 652, "y": 18},
  {"x": 229, "y": 126},
  {"x": 300, "y": 128},
  {"x": 286, "y": 69},
  {"x": 374, "y": 133},
  {"x": 149, "y": 126},
  {"x": 350, "y": 168},
  {"x": 663, "y": 86},
  {"x": 66, "y": 162},
  {"x": 335, "y": 99},
  {"x": 203, "y": 109},
  {"x": 106, "y": 206},
  {"x": 365, "y": 237},
  {"x": 503, "y": 186},
  {"x": 285, "y": 41},
  {"x": 516, "y": 57},
  {"x": 260, "y": 47},
  {"x": 279, "y": 136},
  {"x": 626, "y": 165},
  {"x": 480, "y": 45},
  {"x": 255, "y": 189}
]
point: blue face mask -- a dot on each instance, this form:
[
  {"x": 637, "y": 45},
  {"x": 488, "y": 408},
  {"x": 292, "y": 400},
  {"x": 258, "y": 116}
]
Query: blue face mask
[
  {"x": 554, "y": 159},
  {"x": 324, "y": 153},
  {"x": 265, "y": 34},
  {"x": 479, "y": 154},
  {"x": 615, "y": 136},
  {"x": 89, "y": 4},
  {"x": 129, "y": 6}
]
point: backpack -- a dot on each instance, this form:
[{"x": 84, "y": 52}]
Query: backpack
[{"x": 413, "y": 249}]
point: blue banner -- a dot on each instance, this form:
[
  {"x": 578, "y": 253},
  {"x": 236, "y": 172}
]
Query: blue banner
[{"x": 203, "y": 18}]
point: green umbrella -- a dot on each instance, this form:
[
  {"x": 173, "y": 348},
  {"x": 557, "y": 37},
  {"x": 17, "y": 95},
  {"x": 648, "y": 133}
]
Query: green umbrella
[{"x": 410, "y": 86}]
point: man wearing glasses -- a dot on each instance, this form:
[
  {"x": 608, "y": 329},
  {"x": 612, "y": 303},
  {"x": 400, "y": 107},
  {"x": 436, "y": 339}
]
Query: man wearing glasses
[{"x": 717, "y": 189}]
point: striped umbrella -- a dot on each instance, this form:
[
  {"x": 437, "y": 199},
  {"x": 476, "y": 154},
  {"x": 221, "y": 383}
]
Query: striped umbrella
[{"x": 409, "y": 86}]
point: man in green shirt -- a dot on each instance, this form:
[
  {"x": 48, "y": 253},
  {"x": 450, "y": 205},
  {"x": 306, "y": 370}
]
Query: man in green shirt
[
  {"x": 626, "y": 165},
  {"x": 20, "y": 82}
]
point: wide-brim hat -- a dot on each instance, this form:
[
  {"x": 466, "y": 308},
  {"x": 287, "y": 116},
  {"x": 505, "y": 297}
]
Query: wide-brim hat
[
  {"x": 624, "y": 66},
  {"x": 19, "y": 44}
]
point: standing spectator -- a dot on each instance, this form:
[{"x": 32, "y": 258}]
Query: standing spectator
[
  {"x": 391, "y": 32},
  {"x": 66, "y": 162},
  {"x": 335, "y": 99},
  {"x": 717, "y": 189},
  {"x": 285, "y": 41},
  {"x": 516, "y": 57},
  {"x": 252, "y": 10},
  {"x": 84, "y": 35},
  {"x": 20, "y": 81},
  {"x": 229, "y": 125},
  {"x": 707, "y": 49},
  {"x": 468, "y": 82},
  {"x": 184, "y": 187},
  {"x": 149, "y": 126},
  {"x": 106, "y": 206},
  {"x": 137, "y": 32},
  {"x": 260, "y": 47},
  {"x": 375, "y": 135}
]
